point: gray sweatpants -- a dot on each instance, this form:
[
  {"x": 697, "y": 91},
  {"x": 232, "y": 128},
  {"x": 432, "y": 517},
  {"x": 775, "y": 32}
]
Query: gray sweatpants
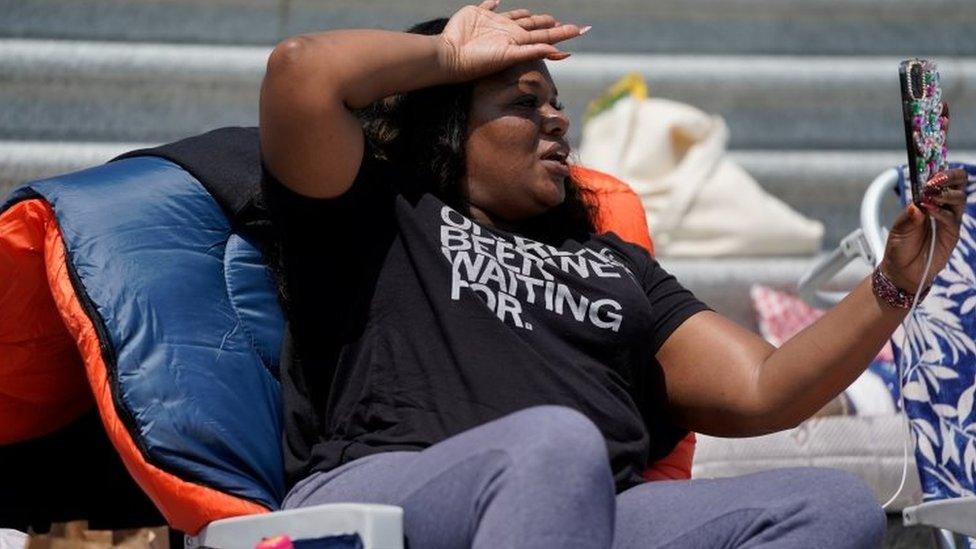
[{"x": 540, "y": 477}]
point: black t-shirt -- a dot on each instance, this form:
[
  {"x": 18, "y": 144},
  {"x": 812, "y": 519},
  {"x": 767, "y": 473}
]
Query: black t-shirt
[{"x": 409, "y": 323}]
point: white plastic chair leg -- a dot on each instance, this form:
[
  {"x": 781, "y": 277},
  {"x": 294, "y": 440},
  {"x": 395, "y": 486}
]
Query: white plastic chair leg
[
  {"x": 379, "y": 526},
  {"x": 956, "y": 515}
]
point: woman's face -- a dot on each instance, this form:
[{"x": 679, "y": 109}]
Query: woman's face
[{"x": 516, "y": 151}]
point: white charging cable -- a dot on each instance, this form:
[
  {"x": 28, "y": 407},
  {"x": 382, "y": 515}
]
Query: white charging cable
[{"x": 901, "y": 367}]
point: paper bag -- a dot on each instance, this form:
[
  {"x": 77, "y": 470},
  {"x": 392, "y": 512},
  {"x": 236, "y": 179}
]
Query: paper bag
[{"x": 76, "y": 535}]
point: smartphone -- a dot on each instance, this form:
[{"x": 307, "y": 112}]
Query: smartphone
[{"x": 925, "y": 123}]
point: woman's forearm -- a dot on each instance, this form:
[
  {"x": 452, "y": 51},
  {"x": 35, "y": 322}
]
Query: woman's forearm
[
  {"x": 724, "y": 380},
  {"x": 358, "y": 67},
  {"x": 818, "y": 363},
  {"x": 310, "y": 138},
  {"x": 823, "y": 359}
]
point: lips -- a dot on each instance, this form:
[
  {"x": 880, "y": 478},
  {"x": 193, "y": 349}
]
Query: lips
[
  {"x": 554, "y": 160},
  {"x": 557, "y": 168}
]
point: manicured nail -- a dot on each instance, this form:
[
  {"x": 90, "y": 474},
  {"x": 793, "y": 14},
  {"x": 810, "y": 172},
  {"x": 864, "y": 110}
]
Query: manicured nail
[{"x": 585, "y": 29}]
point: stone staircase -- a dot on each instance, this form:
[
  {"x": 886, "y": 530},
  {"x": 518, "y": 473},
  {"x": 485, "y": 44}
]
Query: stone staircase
[{"x": 808, "y": 87}]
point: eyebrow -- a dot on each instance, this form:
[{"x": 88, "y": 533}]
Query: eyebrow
[{"x": 536, "y": 83}]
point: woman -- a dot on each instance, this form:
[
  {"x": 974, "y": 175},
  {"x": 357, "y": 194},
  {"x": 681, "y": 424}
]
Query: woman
[{"x": 461, "y": 344}]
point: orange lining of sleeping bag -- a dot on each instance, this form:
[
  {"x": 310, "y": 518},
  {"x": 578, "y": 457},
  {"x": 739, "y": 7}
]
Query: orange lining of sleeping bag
[
  {"x": 42, "y": 384},
  {"x": 619, "y": 210},
  {"x": 677, "y": 464},
  {"x": 187, "y": 507}
]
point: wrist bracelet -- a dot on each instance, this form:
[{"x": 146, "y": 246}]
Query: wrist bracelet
[{"x": 893, "y": 295}]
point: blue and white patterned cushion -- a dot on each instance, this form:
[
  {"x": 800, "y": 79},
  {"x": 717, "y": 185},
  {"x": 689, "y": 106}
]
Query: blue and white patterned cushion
[
  {"x": 940, "y": 378},
  {"x": 875, "y": 391},
  {"x": 887, "y": 373}
]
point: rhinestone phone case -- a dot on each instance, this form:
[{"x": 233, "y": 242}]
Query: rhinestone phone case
[{"x": 925, "y": 122}]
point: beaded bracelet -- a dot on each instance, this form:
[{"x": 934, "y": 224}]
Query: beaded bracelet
[{"x": 893, "y": 295}]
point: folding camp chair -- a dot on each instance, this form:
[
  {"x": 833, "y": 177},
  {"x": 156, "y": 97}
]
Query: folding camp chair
[{"x": 940, "y": 378}]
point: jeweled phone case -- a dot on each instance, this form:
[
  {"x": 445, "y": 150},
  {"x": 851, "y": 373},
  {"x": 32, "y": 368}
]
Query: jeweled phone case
[{"x": 925, "y": 125}]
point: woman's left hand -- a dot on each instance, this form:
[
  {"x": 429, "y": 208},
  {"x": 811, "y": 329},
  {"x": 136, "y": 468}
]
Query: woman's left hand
[{"x": 908, "y": 243}]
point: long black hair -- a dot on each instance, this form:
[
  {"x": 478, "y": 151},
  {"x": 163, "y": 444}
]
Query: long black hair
[{"x": 423, "y": 133}]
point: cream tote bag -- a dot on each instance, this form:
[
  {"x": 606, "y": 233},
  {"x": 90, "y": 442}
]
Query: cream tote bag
[{"x": 698, "y": 202}]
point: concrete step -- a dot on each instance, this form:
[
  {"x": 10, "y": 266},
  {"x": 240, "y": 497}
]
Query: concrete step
[
  {"x": 823, "y": 185},
  {"x": 862, "y": 27},
  {"x": 100, "y": 91},
  {"x": 103, "y": 91},
  {"x": 724, "y": 283},
  {"x": 23, "y": 161},
  {"x": 783, "y": 102}
]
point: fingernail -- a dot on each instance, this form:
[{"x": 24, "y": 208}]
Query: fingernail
[{"x": 586, "y": 29}]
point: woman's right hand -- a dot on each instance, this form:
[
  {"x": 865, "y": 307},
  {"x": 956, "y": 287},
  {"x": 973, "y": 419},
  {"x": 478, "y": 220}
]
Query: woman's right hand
[{"x": 477, "y": 41}]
